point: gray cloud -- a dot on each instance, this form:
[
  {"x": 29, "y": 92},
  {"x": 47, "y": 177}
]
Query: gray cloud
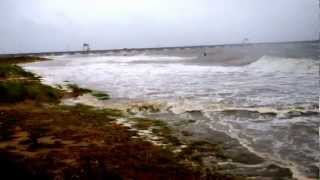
[{"x": 47, "y": 25}]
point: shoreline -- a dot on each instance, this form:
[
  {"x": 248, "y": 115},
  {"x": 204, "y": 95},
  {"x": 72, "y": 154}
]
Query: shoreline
[
  {"x": 139, "y": 110},
  {"x": 42, "y": 139},
  {"x": 197, "y": 156},
  {"x": 148, "y": 109}
]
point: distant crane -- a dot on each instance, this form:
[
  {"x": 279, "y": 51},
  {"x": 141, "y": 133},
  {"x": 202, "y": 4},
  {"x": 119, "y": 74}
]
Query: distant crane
[{"x": 86, "y": 47}]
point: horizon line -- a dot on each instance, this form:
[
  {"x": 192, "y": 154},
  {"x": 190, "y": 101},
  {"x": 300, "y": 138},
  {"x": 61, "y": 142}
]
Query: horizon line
[{"x": 151, "y": 48}]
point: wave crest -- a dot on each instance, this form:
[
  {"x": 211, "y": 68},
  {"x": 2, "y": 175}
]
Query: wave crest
[{"x": 286, "y": 65}]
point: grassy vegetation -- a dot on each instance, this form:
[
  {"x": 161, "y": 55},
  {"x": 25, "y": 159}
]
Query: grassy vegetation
[
  {"x": 16, "y": 91},
  {"x": 158, "y": 128},
  {"x": 64, "y": 141},
  {"x": 17, "y": 85},
  {"x": 143, "y": 108},
  {"x": 144, "y": 123},
  {"x": 21, "y": 59},
  {"x": 100, "y": 95},
  {"x": 77, "y": 91},
  {"x": 195, "y": 149},
  {"x": 14, "y": 71}
]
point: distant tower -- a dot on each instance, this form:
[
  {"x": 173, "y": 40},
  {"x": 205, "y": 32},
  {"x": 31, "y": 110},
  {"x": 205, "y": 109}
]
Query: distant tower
[
  {"x": 204, "y": 53},
  {"x": 245, "y": 41},
  {"x": 86, "y": 47}
]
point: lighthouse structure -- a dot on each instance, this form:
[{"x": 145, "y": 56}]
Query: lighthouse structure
[
  {"x": 245, "y": 41},
  {"x": 86, "y": 47}
]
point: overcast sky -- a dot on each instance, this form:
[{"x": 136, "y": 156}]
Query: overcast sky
[{"x": 55, "y": 25}]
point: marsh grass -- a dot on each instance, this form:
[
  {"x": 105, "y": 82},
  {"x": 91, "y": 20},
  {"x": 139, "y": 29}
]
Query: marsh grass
[
  {"x": 77, "y": 91},
  {"x": 195, "y": 149},
  {"x": 158, "y": 128},
  {"x": 14, "y": 71},
  {"x": 100, "y": 95},
  {"x": 17, "y": 91},
  {"x": 92, "y": 142},
  {"x": 21, "y": 59},
  {"x": 18, "y": 85}
]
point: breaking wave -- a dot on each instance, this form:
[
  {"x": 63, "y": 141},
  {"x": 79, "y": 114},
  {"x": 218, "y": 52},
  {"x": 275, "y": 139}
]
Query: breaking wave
[
  {"x": 286, "y": 65},
  {"x": 270, "y": 104},
  {"x": 286, "y": 112},
  {"x": 142, "y": 58}
]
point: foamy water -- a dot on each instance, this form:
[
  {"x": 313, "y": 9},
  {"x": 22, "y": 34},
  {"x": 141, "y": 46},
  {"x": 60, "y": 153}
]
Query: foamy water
[{"x": 269, "y": 104}]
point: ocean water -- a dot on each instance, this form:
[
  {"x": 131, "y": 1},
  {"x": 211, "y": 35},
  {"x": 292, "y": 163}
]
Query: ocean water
[{"x": 266, "y": 96}]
